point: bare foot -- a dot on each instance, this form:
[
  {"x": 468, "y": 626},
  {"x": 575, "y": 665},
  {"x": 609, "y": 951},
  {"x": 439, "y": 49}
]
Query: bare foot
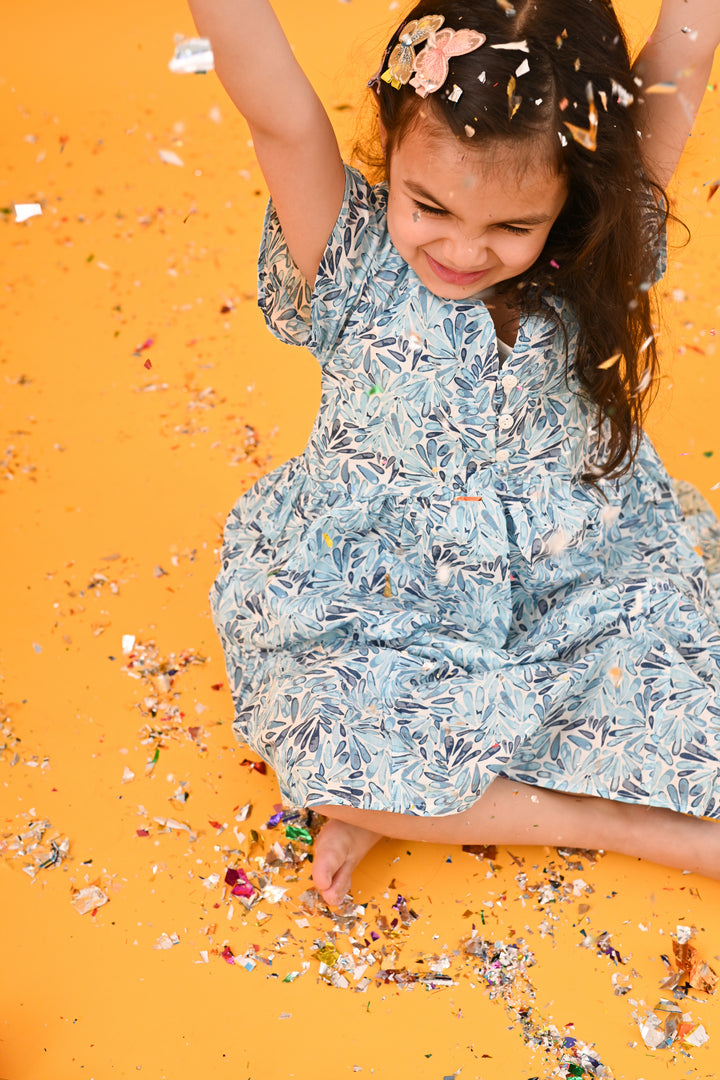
[{"x": 339, "y": 848}]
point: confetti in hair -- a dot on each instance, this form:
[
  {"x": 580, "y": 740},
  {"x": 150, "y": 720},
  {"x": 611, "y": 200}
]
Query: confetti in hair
[
  {"x": 586, "y": 137},
  {"x": 516, "y": 46},
  {"x": 610, "y": 362},
  {"x": 514, "y": 100}
]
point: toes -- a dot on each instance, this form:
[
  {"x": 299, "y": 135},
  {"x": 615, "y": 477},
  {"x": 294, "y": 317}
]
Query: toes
[
  {"x": 321, "y": 876},
  {"x": 335, "y": 894}
]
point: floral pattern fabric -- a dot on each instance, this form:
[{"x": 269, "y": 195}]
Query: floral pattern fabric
[{"x": 430, "y": 596}]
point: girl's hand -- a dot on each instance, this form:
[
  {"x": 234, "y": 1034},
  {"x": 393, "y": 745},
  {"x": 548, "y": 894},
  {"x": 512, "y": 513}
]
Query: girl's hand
[
  {"x": 292, "y": 134},
  {"x": 679, "y": 54}
]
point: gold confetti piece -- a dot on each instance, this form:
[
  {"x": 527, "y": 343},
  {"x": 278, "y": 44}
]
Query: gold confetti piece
[
  {"x": 514, "y": 101},
  {"x": 615, "y": 676},
  {"x": 586, "y": 137},
  {"x": 662, "y": 88},
  {"x": 387, "y": 591},
  {"x": 713, "y": 188},
  {"x": 327, "y": 539},
  {"x": 610, "y": 361}
]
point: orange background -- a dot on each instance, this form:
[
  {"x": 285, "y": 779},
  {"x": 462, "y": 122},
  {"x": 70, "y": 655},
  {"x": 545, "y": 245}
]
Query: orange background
[{"x": 118, "y": 463}]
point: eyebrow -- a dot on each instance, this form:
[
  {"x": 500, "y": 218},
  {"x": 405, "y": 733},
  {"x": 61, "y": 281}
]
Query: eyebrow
[{"x": 530, "y": 219}]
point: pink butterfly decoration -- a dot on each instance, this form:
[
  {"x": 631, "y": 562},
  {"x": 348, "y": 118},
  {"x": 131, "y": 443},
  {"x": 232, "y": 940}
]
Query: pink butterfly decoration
[{"x": 432, "y": 63}]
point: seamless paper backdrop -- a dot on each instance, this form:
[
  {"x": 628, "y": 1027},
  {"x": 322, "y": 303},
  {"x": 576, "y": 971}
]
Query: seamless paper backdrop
[{"x": 141, "y": 394}]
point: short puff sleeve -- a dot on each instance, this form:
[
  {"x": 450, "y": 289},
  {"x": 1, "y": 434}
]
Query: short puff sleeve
[{"x": 314, "y": 318}]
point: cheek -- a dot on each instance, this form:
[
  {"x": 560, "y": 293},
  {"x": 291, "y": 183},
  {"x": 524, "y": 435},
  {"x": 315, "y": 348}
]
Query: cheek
[
  {"x": 405, "y": 232},
  {"x": 524, "y": 255}
]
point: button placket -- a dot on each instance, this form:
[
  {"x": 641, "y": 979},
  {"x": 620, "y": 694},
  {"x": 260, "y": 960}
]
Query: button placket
[{"x": 506, "y": 419}]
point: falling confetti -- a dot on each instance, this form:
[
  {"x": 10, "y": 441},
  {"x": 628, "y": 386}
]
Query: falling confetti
[
  {"x": 661, "y": 88},
  {"x": 23, "y": 211},
  {"x": 192, "y": 56},
  {"x": 170, "y": 157}
]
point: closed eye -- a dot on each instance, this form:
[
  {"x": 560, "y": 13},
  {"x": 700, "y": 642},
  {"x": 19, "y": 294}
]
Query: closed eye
[
  {"x": 516, "y": 230},
  {"x": 425, "y": 209}
]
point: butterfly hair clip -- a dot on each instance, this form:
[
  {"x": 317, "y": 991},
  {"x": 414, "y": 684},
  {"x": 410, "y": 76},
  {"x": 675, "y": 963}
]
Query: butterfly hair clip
[
  {"x": 428, "y": 69},
  {"x": 401, "y": 63},
  {"x": 432, "y": 64}
]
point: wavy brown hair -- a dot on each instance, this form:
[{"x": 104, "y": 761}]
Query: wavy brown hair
[{"x": 602, "y": 253}]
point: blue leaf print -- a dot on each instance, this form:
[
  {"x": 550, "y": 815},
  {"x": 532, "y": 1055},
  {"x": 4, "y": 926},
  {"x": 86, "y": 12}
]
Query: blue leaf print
[{"x": 429, "y": 595}]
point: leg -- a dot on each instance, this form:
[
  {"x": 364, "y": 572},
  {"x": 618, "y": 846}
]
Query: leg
[{"x": 512, "y": 813}]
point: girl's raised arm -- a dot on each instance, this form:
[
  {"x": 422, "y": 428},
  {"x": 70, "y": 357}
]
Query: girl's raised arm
[
  {"x": 292, "y": 134},
  {"x": 679, "y": 54}
]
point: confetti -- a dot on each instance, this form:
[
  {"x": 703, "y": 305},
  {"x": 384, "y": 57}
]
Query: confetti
[
  {"x": 586, "y": 137},
  {"x": 517, "y": 46},
  {"x": 622, "y": 96},
  {"x": 89, "y": 899},
  {"x": 661, "y": 88},
  {"x": 192, "y": 56},
  {"x": 170, "y": 157},
  {"x": 23, "y": 211},
  {"x": 514, "y": 100}
]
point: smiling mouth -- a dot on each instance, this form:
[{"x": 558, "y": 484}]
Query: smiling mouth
[{"x": 454, "y": 277}]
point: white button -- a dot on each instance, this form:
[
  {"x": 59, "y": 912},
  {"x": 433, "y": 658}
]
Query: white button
[
  {"x": 502, "y": 455},
  {"x": 505, "y": 421},
  {"x": 508, "y": 382}
]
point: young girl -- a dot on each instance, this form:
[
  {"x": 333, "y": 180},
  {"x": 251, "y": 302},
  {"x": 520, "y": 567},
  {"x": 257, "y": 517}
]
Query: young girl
[{"x": 471, "y": 611}]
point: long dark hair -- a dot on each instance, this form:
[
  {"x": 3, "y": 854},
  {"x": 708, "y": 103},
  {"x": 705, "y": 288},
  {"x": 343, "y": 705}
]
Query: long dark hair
[{"x": 602, "y": 252}]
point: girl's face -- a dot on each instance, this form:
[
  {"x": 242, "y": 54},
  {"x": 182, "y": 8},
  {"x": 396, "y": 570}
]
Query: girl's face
[{"x": 465, "y": 219}]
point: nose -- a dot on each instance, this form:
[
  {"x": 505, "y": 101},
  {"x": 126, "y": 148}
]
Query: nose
[{"x": 467, "y": 252}]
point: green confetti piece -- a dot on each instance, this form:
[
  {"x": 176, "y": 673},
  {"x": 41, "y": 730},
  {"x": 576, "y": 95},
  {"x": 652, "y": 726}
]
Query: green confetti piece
[
  {"x": 708, "y": 453},
  {"x": 295, "y": 832}
]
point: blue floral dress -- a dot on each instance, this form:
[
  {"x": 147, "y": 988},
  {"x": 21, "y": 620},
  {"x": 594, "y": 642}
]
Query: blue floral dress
[{"x": 429, "y": 596}]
